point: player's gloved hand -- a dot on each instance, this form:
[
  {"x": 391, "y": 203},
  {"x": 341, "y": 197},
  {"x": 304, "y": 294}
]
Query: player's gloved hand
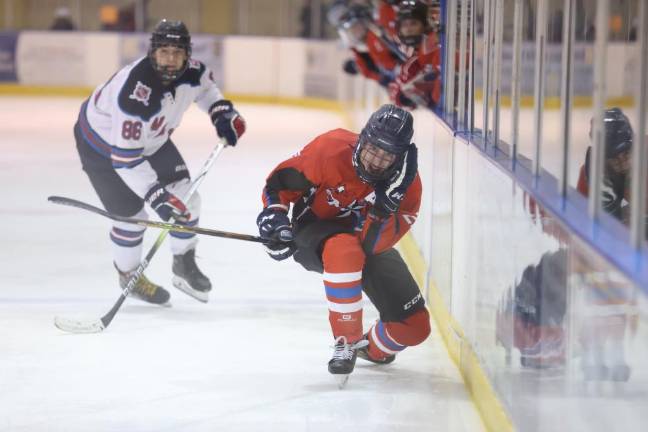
[
  {"x": 228, "y": 122},
  {"x": 391, "y": 192},
  {"x": 350, "y": 67},
  {"x": 167, "y": 205},
  {"x": 274, "y": 226},
  {"x": 385, "y": 78}
]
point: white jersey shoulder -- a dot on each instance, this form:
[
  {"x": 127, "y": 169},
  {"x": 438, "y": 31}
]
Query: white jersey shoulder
[{"x": 134, "y": 110}]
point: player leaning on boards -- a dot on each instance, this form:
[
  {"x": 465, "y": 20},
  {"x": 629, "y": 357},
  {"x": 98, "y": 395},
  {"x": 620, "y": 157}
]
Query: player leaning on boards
[
  {"x": 123, "y": 136},
  {"x": 353, "y": 197}
]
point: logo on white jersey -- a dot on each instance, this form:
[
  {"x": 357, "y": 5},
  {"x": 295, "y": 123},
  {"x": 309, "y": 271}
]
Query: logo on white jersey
[{"x": 142, "y": 93}]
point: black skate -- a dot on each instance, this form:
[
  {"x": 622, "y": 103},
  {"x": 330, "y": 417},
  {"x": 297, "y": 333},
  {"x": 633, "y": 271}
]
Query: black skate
[
  {"x": 344, "y": 358},
  {"x": 144, "y": 289},
  {"x": 363, "y": 353},
  {"x": 188, "y": 278}
]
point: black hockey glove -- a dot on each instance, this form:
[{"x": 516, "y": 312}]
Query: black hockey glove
[
  {"x": 167, "y": 205},
  {"x": 274, "y": 226},
  {"x": 350, "y": 67},
  {"x": 228, "y": 122},
  {"x": 390, "y": 193}
]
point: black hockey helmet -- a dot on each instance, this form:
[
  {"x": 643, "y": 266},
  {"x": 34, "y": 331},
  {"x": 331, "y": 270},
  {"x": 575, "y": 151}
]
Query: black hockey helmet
[
  {"x": 414, "y": 10},
  {"x": 170, "y": 33},
  {"x": 618, "y": 132},
  {"x": 390, "y": 128}
]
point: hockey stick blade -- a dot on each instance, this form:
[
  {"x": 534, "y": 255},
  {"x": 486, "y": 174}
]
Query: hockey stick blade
[
  {"x": 154, "y": 224},
  {"x": 77, "y": 327}
]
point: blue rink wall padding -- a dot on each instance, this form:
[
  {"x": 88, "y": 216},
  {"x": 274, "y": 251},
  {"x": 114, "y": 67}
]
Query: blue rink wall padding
[{"x": 8, "y": 42}]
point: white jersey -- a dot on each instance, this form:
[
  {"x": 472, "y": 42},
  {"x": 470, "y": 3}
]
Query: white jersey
[{"x": 133, "y": 114}]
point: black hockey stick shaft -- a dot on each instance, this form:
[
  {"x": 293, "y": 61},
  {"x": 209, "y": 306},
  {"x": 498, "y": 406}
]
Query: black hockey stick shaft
[{"x": 154, "y": 224}]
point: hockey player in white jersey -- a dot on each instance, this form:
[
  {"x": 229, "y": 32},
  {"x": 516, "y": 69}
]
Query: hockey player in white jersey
[{"x": 123, "y": 136}]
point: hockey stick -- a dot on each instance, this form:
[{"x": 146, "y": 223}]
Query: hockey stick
[
  {"x": 154, "y": 224},
  {"x": 96, "y": 326},
  {"x": 390, "y": 44}
]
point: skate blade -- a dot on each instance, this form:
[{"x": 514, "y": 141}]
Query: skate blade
[
  {"x": 183, "y": 286},
  {"x": 342, "y": 380}
]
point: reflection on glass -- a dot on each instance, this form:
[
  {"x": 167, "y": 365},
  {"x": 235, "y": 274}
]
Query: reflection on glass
[{"x": 618, "y": 142}]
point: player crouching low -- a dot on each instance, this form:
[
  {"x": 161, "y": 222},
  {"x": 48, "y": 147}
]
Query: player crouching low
[
  {"x": 123, "y": 137},
  {"x": 353, "y": 197}
]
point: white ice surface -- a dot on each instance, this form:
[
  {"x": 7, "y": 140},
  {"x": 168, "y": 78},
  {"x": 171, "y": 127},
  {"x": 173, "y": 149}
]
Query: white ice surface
[{"x": 253, "y": 358}]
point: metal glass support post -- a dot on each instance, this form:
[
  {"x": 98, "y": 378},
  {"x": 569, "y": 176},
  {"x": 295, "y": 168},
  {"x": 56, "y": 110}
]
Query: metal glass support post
[
  {"x": 471, "y": 68},
  {"x": 486, "y": 67},
  {"x": 539, "y": 83},
  {"x": 497, "y": 68},
  {"x": 639, "y": 173},
  {"x": 567, "y": 89},
  {"x": 450, "y": 50},
  {"x": 518, "y": 14},
  {"x": 463, "y": 42},
  {"x": 600, "y": 91}
]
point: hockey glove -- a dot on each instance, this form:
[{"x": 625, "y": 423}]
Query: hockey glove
[
  {"x": 390, "y": 193},
  {"x": 228, "y": 122},
  {"x": 274, "y": 226},
  {"x": 350, "y": 67},
  {"x": 167, "y": 205}
]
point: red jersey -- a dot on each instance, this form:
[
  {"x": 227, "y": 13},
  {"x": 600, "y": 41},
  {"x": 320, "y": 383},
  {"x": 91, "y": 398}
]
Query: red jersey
[
  {"x": 387, "y": 18},
  {"x": 322, "y": 183},
  {"x": 419, "y": 77},
  {"x": 376, "y": 58}
]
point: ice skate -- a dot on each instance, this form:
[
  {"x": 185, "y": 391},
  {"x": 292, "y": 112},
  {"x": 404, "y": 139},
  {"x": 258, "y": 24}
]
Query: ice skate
[
  {"x": 344, "y": 357},
  {"x": 188, "y": 278},
  {"x": 144, "y": 289},
  {"x": 363, "y": 353}
]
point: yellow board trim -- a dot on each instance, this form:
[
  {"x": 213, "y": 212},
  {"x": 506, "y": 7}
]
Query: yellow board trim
[
  {"x": 309, "y": 103},
  {"x": 481, "y": 391},
  {"x": 553, "y": 102}
]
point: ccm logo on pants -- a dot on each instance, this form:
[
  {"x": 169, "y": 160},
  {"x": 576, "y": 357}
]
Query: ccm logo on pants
[{"x": 412, "y": 302}]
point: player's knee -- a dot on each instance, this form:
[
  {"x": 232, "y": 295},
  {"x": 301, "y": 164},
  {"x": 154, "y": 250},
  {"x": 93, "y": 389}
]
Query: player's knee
[
  {"x": 418, "y": 328},
  {"x": 343, "y": 252}
]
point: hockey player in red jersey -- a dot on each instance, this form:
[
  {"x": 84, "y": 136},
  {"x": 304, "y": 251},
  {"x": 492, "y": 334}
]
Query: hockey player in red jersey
[
  {"x": 353, "y": 197},
  {"x": 372, "y": 57},
  {"x": 418, "y": 82},
  {"x": 123, "y": 136}
]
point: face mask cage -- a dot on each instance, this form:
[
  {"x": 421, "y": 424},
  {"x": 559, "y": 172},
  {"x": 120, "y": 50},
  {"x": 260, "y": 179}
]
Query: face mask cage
[
  {"x": 168, "y": 74},
  {"x": 372, "y": 163}
]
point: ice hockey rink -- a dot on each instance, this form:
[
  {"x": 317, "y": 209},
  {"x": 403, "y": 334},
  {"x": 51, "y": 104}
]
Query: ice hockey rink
[{"x": 253, "y": 358}]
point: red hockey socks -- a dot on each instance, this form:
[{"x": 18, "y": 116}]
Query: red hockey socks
[
  {"x": 388, "y": 338},
  {"x": 343, "y": 260}
]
